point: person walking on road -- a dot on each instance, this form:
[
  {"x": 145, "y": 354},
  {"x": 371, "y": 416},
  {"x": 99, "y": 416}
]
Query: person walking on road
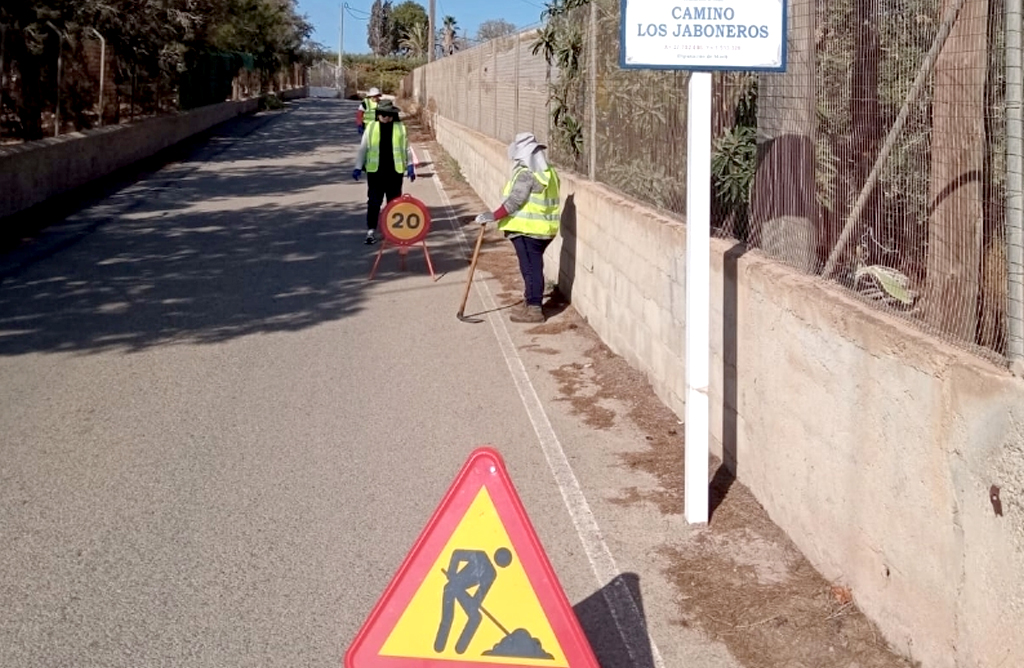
[
  {"x": 385, "y": 155},
  {"x": 529, "y": 217},
  {"x": 367, "y": 109}
]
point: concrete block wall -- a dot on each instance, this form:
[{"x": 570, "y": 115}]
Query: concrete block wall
[
  {"x": 34, "y": 172},
  {"x": 872, "y": 445},
  {"x": 294, "y": 93}
]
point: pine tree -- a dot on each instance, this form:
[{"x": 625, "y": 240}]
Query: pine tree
[{"x": 380, "y": 37}]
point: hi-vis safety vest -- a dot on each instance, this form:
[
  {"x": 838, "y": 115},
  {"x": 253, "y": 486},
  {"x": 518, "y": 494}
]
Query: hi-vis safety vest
[
  {"x": 370, "y": 109},
  {"x": 399, "y": 146},
  {"x": 539, "y": 216}
]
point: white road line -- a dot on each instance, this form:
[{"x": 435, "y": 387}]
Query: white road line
[{"x": 619, "y": 598}]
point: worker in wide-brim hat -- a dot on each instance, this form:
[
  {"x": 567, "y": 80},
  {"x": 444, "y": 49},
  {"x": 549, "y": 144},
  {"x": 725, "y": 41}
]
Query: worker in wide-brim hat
[
  {"x": 367, "y": 109},
  {"x": 386, "y": 157},
  {"x": 529, "y": 217}
]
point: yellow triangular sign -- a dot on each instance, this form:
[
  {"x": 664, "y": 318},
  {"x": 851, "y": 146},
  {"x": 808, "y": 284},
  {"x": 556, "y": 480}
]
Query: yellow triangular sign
[
  {"x": 476, "y": 590},
  {"x": 509, "y": 604}
]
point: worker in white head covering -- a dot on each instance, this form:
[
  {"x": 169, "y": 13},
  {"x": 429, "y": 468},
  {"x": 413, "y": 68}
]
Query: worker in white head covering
[
  {"x": 367, "y": 112},
  {"x": 529, "y": 217}
]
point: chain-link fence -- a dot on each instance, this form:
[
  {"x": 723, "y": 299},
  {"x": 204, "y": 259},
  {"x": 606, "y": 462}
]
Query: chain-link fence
[
  {"x": 880, "y": 159},
  {"x": 887, "y": 158},
  {"x": 498, "y": 88}
]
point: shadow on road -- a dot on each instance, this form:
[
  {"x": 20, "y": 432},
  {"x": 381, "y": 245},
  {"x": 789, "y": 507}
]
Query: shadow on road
[
  {"x": 258, "y": 229},
  {"x": 614, "y": 623}
]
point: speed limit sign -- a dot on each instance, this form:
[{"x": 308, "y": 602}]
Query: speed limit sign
[{"x": 405, "y": 221}]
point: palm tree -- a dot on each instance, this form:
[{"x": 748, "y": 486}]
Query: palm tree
[
  {"x": 449, "y": 35},
  {"x": 415, "y": 41}
]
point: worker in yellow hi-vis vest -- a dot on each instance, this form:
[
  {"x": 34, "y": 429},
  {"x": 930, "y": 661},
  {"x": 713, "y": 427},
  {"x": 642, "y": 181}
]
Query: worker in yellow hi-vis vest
[
  {"x": 529, "y": 217},
  {"x": 367, "y": 109},
  {"x": 385, "y": 155}
]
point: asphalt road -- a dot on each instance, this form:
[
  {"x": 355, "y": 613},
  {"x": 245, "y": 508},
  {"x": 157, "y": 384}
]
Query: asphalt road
[{"x": 219, "y": 440}]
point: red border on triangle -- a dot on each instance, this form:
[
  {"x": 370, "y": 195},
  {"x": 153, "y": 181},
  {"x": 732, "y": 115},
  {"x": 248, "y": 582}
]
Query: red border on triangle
[{"x": 484, "y": 467}]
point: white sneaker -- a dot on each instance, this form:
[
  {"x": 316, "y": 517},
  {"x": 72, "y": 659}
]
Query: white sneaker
[{"x": 370, "y": 238}]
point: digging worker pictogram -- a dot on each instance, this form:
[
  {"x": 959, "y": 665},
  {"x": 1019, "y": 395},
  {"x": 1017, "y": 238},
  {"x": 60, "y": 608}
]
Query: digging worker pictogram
[{"x": 467, "y": 569}]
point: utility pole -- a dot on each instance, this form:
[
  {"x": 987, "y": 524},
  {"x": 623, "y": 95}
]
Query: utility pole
[
  {"x": 430, "y": 37},
  {"x": 341, "y": 50}
]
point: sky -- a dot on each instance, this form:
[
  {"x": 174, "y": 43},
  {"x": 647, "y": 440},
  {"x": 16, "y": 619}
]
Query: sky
[{"x": 325, "y": 15}]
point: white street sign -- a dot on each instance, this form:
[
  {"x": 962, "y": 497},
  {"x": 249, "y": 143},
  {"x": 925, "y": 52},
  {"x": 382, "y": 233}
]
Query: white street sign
[{"x": 704, "y": 35}]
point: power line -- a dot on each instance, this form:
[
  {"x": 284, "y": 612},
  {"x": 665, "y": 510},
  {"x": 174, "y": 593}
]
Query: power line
[{"x": 352, "y": 11}]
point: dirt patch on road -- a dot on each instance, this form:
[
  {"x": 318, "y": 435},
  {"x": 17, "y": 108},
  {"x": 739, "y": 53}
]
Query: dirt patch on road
[{"x": 741, "y": 581}]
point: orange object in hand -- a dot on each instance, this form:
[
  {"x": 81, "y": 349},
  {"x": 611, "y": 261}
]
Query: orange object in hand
[{"x": 359, "y": 116}]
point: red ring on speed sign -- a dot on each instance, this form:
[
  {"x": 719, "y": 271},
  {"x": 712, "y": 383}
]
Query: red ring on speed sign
[{"x": 405, "y": 221}]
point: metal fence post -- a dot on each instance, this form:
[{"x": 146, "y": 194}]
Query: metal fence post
[
  {"x": 592, "y": 93},
  {"x": 3, "y": 60},
  {"x": 479, "y": 125},
  {"x": 1014, "y": 185},
  {"x": 515, "y": 78},
  {"x": 494, "y": 76},
  {"x": 103, "y": 69},
  {"x": 60, "y": 56}
]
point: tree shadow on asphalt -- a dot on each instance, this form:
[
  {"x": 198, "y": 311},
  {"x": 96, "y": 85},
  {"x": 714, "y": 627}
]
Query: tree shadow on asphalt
[
  {"x": 199, "y": 148},
  {"x": 615, "y": 625},
  {"x": 215, "y": 246}
]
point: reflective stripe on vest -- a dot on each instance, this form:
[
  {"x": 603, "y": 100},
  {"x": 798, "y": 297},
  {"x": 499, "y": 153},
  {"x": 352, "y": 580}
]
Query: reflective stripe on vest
[
  {"x": 399, "y": 146},
  {"x": 371, "y": 107},
  {"x": 539, "y": 216}
]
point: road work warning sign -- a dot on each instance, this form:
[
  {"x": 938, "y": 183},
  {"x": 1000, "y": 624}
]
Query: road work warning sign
[{"x": 476, "y": 589}]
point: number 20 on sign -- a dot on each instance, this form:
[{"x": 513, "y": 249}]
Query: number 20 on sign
[{"x": 405, "y": 222}]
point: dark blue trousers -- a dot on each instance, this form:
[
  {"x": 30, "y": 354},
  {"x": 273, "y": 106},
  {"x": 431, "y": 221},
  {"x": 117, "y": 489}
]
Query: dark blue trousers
[{"x": 530, "y": 251}]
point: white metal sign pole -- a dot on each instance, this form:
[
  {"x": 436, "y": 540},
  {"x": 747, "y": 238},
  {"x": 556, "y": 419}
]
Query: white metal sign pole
[
  {"x": 698, "y": 297},
  {"x": 701, "y": 36}
]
